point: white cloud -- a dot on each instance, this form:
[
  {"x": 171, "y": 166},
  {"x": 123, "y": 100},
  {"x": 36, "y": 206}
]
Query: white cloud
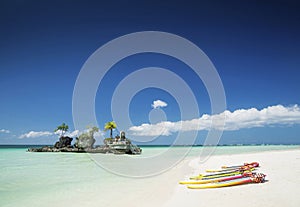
[
  {"x": 74, "y": 133},
  {"x": 34, "y": 134},
  {"x": 4, "y": 131},
  {"x": 99, "y": 134},
  {"x": 159, "y": 104},
  {"x": 227, "y": 121}
]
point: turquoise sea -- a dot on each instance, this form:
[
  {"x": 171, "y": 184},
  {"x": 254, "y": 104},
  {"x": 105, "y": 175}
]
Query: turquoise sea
[{"x": 59, "y": 179}]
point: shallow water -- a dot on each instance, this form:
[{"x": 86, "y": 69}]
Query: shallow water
[{"x": 56, "y": 179}]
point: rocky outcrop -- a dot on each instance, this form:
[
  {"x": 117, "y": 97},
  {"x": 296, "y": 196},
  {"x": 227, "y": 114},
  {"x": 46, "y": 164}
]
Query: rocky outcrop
[
  {"x": 84, "y": 142},
  {"x": 63, "y": 142},
  {"x": 100, "y": 149},
  {"x": 54, "y": 149}
]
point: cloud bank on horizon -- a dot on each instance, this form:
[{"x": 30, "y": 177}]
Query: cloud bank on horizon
[
  {"x": 36, "y": 134},
  {"x": 227, "y": 121},
  {"x": 4, "y": 131}
]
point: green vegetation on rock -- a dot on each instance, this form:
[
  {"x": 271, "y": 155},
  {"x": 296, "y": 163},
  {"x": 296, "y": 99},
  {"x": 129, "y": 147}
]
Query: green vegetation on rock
[{"x": 63, "y": 128}]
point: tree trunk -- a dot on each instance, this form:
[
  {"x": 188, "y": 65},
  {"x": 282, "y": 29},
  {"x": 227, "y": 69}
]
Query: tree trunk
[{"x": 110, "y": 133}]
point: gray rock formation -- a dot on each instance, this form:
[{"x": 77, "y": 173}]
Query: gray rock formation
[
  {"x": 84, "y": 142},
  {"x": 63, "y": 142}
]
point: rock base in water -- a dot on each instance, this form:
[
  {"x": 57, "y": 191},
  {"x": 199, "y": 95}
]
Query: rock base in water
[{"x": 101, "y": 149}]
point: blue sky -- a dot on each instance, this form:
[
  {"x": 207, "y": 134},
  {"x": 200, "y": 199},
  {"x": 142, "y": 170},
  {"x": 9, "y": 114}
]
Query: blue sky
[{"x": 254, "y": 46}]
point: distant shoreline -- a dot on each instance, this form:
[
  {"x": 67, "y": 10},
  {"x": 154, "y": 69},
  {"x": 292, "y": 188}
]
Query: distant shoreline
[{"x": 237, "y": 145}]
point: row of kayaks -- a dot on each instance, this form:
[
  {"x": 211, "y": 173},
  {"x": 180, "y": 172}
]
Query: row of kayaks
[{"x": 226, "y": 176}]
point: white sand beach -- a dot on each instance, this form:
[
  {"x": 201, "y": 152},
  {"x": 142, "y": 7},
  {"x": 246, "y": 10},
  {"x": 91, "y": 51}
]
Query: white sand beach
[{"x": 281, "y": 189}]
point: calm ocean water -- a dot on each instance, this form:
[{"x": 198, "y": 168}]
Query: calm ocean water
[{"x": 56, "y": 179}]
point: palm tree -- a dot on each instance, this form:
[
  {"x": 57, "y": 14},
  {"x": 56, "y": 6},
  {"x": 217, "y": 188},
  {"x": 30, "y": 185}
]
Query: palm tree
[
  {"x": 110, "y": 126},
  {"x": 62, "y": 128}
]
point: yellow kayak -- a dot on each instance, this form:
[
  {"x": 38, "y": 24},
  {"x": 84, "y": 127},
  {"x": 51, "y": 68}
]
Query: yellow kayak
[
  {"x": 217, "y": 175},
  {"x": 254, "y": 178},
  {"x": 253, "y": 164},
  {"x": 215, "y": 180},
  {"x": 246, "y": 166},
  {"x": 221, "y": 184},
  {"x": 218, "y": 170}
]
